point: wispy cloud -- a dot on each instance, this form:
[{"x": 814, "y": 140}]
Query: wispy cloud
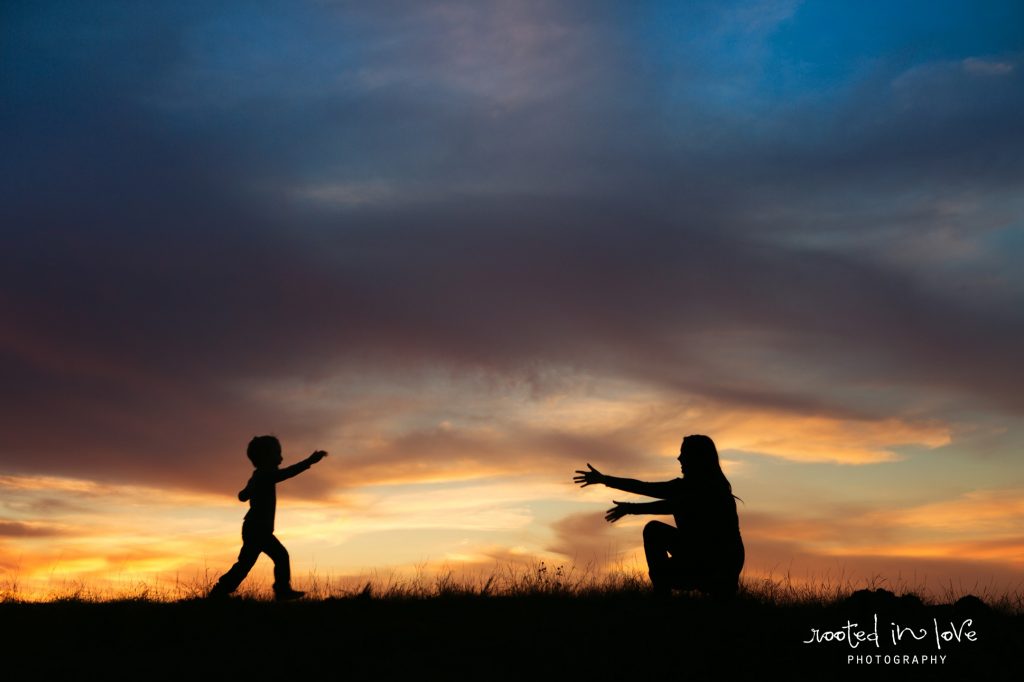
[{"x": 987, "y": 67}]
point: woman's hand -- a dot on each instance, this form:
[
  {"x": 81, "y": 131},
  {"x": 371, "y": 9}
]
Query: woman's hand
[
  {"x": 591, "y": 477},
  {"x": 317, "y": 456},
  {"x": 618, "y": 511}
]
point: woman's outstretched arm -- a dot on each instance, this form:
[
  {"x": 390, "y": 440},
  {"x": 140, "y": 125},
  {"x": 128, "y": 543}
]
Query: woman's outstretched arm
[
  {"x": 623, "y": 508},
  {"x": 662, "y": 490}
]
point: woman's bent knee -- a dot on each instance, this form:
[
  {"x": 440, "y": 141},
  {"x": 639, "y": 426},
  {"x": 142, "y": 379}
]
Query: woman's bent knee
[{"x": 657, "y": 528}]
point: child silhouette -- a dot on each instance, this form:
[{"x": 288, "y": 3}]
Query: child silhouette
[{"x": 258, "y": 528}]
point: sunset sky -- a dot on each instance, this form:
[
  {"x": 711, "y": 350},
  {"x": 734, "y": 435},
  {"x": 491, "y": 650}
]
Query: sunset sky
[{"x": 468, "y": 247}]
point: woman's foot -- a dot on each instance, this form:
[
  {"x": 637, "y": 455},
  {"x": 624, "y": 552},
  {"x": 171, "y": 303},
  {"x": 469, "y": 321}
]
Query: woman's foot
[{"x": 218, "y": 593}]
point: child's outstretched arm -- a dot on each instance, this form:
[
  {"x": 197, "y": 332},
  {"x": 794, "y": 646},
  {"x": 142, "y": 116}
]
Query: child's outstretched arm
[{"x": 296, "y": 469}]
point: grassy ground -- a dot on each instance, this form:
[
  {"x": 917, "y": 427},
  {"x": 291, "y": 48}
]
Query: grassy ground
[{"x": 537, "y": 624}]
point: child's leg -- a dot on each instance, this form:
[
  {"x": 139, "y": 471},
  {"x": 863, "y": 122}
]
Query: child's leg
[
  {"x": 230, "y": 581},
  {"x": 282, "y": 565}
]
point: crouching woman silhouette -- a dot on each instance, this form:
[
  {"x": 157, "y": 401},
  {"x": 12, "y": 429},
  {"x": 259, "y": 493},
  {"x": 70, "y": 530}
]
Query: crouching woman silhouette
[{"x": 704, "y": 551}]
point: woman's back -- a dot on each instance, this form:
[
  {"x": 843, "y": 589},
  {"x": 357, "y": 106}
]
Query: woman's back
[{"x": 707, "y": 519}]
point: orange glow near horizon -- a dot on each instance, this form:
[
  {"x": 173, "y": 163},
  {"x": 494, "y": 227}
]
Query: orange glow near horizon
[
  {"x": 424, "y": 496},
  {"x": 181, "y": 538}
]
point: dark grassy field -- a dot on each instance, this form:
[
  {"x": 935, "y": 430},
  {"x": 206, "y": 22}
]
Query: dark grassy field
[{"x": 624, "y": 634}]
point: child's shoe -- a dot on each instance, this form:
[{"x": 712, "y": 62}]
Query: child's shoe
[{"x": 288, "y": 594}]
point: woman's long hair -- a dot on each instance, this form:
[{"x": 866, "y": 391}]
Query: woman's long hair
[{"x": 702, "y": 465}]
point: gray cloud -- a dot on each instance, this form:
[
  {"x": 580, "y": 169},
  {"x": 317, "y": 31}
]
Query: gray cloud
[
  {"x": 547, "y": 204},
  {"x": 14, "y": 529}
]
